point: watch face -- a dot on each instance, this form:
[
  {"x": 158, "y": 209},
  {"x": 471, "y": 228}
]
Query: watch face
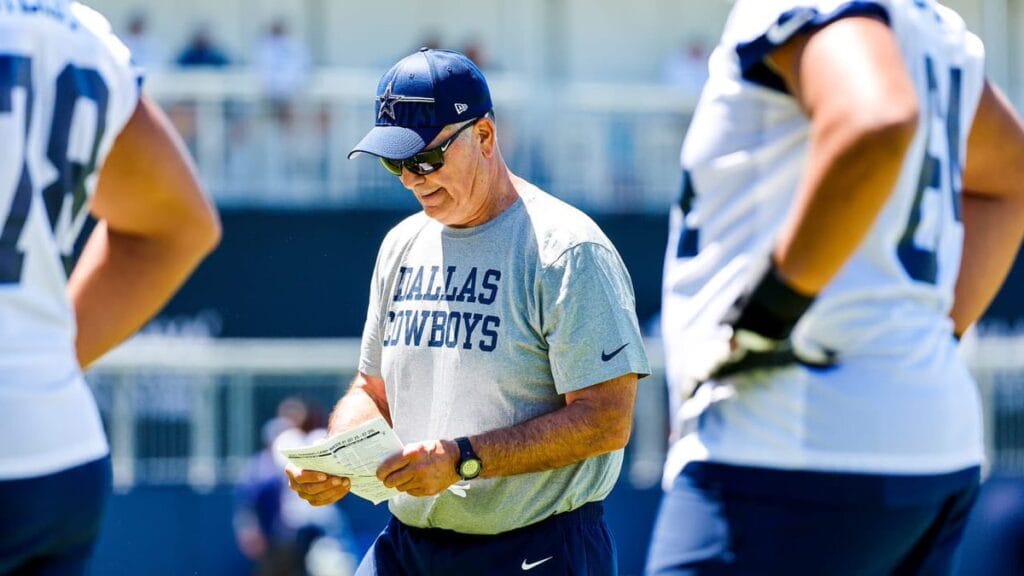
[{"x": 469, "y": 469}]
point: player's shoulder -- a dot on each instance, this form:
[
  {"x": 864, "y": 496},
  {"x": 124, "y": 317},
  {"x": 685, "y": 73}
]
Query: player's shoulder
[
  {"x": 92, "y": 22},
  {"x": 90, "y": 19},
  {"x": 558, "y": 226},
  {"x": 956, "y": 28},
  {"x": 779, "y": 20}
]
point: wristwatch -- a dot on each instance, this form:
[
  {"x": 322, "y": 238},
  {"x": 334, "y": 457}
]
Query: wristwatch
[{"x": 469, "y": 465}]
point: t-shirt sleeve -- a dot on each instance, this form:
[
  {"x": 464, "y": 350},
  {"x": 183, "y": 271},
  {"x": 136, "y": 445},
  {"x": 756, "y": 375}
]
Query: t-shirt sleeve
[
  {"x": 758, "y": 27},
  {"x": 370, "y": 347},
  {"x": 589, "y": 318}
]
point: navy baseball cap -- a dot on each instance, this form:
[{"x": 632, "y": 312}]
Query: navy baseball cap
[{"x": 420, "y": 95}]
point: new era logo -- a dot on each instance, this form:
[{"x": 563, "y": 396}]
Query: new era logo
[{"x": 460, "y": 107}]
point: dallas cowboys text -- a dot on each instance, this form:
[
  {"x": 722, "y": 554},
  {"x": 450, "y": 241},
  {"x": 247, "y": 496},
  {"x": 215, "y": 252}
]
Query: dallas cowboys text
[{"x": 412, "y": 325}]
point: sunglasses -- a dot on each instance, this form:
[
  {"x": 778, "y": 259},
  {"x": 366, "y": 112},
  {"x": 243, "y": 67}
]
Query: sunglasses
[{"x": 427, "y": 161}]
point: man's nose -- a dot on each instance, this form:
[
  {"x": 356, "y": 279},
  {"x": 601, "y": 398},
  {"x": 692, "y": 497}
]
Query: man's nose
[{"x": 409, "y": 178}]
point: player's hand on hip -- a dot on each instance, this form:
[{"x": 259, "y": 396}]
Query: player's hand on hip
[
  {"x": 756, "y": 332},
  {"x": 749, "y": 351},
  {"x": 317, "y": 488},
  {"x": 421, "y": 468}
]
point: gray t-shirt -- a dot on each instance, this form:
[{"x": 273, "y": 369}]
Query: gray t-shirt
[{"x": 482, "y": 328}]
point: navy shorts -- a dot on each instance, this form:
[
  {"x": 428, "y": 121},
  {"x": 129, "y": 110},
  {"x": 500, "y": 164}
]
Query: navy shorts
[
  {"x": 994, "y": 539},
  {"x": 49, "y": 524},
  {"x": 721, "y": 519},
  {"x": 576, "y": 543}
]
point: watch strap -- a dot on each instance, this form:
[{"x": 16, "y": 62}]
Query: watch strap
[{"x": 466, "y": 452}]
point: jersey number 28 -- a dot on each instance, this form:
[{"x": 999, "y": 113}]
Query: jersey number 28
[{"x": 68, "y": 187}]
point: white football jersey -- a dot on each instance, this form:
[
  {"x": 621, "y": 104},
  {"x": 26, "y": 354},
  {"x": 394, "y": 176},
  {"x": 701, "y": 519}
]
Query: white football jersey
[
  {"x": 67, "y": 88},
  {"x": 901, "y": 400}
]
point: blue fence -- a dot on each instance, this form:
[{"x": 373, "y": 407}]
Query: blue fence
[
  {"x": 305, "y": 274},
  {"x": 175, "y": 531}
]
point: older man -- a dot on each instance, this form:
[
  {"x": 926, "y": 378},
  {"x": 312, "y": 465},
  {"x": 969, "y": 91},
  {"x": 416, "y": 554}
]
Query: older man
[{"x": 501, "y": 342}]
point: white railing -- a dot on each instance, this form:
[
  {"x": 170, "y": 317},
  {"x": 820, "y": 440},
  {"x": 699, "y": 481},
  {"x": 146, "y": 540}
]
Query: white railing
[
  {"x": 603, "y": 147},
  {"x": 996, "y": 359},
  {"x": 189, "y": 410}
]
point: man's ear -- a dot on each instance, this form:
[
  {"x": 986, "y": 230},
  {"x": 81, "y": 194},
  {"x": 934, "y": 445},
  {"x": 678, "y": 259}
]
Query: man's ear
[{"x": 485, "y": 133}]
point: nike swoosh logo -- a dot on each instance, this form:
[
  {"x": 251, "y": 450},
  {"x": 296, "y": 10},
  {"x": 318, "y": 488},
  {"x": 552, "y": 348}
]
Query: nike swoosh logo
[
  {"x": 781, "y": 31},
  {"x": 606, "y": 356},
  {"x": 531, "y": 565}
]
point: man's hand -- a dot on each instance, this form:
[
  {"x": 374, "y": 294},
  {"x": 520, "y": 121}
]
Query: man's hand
[
  {"x": 421, "y": 468},
  {"x": 317, "y": 488}
]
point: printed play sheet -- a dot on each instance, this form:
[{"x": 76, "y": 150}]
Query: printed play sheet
[{"x": 356, "y": 454}]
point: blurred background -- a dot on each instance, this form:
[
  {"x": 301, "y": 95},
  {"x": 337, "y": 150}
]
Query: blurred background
[{"x": 592, "y": 100}]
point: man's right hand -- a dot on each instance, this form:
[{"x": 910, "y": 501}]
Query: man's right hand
[{"x": 317, "y": 488}]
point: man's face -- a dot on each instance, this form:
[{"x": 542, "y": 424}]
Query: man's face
[{"x": 455, "y": 195}]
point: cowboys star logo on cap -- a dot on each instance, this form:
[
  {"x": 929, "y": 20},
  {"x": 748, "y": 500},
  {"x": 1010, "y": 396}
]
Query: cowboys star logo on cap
[
  {"x": 417, "y": 97},
  {"x": 388, "y": 101}
]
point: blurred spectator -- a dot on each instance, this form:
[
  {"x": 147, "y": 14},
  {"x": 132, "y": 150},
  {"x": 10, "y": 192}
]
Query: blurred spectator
[
  {"x": 475, "y": 51},
  {"x": 282, "y": 62},
  {"x": 687, "y": 67},
  {"x": 202, "y": 50},
  {"x": 146, "y": 51},
  {"x": 273, "y": 526}
]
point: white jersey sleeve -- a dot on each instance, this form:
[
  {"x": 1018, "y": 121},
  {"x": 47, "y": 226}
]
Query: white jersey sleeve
[
  {"x": 67, "y": 89},
  {"x": 758, "y": 27},
  {"x": 743, "y": 158}
]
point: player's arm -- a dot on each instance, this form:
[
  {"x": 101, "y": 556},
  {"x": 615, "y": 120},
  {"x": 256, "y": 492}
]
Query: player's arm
[
  {"x": 155, "y": 224},
  {"x": 365, "y": 400},
  {"x": 850, "y": 79},
  {"x": 595, "y": 420},
  {"x": 993, "y": 206},
  {"x": 851, "y": 82}
]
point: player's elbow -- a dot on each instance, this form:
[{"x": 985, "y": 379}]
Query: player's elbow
[
  {"x": 891, "y": 127},
  {"x": 882, "y": 128},
  {"x": 210, "y": 231},
  {"x": 198, "y": 228}
]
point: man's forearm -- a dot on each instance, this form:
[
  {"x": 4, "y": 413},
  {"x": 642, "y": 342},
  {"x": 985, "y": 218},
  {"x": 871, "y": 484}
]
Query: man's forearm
[
  {"x": 582, "y": 429},
  {"x": 992, "y": 235},
  {"x": 362, "y": 403}
]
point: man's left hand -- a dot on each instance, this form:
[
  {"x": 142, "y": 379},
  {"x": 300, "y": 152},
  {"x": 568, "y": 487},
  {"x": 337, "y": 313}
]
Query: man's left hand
[{"x": 421, "y": 468}]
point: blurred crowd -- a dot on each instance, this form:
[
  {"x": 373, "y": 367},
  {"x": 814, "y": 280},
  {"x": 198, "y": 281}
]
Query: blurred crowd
[
  {"x": 274, "y": 528},
  {"x": 282, "y": 139}
]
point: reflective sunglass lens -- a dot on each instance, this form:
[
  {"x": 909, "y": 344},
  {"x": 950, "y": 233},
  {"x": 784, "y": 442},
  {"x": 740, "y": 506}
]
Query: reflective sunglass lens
[{"x": 392, "y": 166}]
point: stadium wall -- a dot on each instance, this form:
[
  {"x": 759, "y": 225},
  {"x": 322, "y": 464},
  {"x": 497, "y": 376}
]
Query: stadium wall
[{"x": 305, "y": 274}]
